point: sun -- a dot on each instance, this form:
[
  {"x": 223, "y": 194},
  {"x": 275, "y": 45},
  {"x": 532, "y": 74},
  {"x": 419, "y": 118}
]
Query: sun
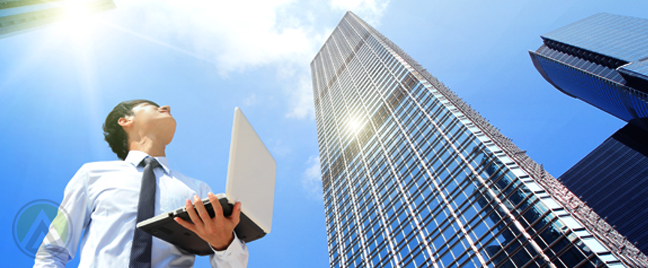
[{"x": 77, "y": 21}]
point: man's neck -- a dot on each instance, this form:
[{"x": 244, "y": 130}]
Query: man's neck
[{"x": 152, "y": 147}]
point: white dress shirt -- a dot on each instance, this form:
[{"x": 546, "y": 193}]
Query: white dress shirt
[{"x": 102, "y": 199}]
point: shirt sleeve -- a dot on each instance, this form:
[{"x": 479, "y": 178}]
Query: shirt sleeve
[
  {"x": 235, "y": 255},
  {"x": 61, "y": 242}
]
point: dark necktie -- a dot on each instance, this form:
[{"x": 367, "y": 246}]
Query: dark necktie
[{"x": 142, "y": 241}]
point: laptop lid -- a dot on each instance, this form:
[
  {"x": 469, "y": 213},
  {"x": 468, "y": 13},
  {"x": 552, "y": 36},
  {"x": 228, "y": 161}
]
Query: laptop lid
[{"x": 251, "y": 173}]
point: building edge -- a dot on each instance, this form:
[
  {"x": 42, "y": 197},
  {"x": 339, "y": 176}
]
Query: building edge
[{"x": 604, "y": 232}]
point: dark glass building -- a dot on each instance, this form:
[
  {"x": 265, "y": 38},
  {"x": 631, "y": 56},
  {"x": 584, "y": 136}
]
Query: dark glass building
[
  {"x": 414, "y": 177},
  {"x": 603, "y": 60},
  {"x": 613, "y": 179}
]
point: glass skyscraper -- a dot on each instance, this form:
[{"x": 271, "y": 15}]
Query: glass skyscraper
[
  {"x": 413, "y": 177},
  {"x": 603, "y": 60},
  {"x": 613, "y": 179}
]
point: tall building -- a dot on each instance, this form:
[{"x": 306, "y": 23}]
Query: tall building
[
  {"x": 18, "y": 16},
  {"x": 613, "y": 179},
  {"x": 603, "y": 60},
  {"x": 414, "y": 177}
]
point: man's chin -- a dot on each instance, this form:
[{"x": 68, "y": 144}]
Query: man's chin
[
  {"x": 170, "y": 137},
  {"x": 171, "y": 133},
  {"x": 167, "y": 122}
]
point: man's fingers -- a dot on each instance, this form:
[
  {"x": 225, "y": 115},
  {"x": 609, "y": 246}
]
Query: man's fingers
[
  {"x": 236, "y": 214},
  {"x": 204, "y": 215},
  {"x": 185, "y": 224},
  {"x": 218, "y": 209},
  {"x": 192, "y": 214},
  {"x": 216, "y": 231}
]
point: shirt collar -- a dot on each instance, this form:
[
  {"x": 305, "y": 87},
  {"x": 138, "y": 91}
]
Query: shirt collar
[{"x": 135, "y": 158}]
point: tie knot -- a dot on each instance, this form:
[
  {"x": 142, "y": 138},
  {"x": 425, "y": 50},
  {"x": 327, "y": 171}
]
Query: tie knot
[{"x": 150, "y": 161}]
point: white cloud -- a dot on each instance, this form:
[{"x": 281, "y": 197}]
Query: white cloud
[
  {"x": 240, "y": 35},
  {"x": 302, "y": 99},
  {"x": 312, "y": 181},
  {"x": 235, "y": 34},
  {"x": 251, "y": 100},
  {"x": 278, "y": 148}
]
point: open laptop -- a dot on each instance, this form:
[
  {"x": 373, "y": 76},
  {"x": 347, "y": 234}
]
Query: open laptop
[{"x": 250, "y": 179}]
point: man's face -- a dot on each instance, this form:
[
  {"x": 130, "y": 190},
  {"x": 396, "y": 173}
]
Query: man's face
[{"x": 150, "y": 119}]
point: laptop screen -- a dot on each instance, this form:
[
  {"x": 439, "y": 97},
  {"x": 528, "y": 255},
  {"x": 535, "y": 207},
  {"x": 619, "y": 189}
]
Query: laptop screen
[{"x": 251, "y": 173}]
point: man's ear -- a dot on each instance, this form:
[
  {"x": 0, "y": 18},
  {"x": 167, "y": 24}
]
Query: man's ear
[{"x": 125, "y": 122}]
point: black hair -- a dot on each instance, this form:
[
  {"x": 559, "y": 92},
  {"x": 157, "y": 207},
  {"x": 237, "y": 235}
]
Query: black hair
[{"x": 114, "y": 134}]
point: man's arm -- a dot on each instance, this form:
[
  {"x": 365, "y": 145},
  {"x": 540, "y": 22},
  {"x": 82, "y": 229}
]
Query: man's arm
[
  {"x": 218, "y": 231},
  {"x": 61, "y": 242}
]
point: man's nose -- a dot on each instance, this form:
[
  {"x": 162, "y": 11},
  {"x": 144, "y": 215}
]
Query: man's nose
[{"x": 166, "y": 108}]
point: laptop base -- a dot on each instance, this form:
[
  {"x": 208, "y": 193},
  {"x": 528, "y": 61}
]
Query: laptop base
[{"x": 166, "y": 228}]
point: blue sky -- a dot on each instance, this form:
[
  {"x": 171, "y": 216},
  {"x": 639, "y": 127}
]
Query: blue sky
[{"x": 203, "y": 58}]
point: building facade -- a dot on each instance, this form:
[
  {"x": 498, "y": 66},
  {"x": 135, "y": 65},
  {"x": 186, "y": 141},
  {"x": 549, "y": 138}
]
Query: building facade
[
  {"x": 603, "y": 60},
  {"x": 414, "y": 177},
  {"x": 613, "y": 179},
  {"x": 18, "y": 16}
]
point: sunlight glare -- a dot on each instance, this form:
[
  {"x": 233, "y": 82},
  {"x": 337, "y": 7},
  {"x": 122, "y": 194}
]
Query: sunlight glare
[
  {"x": 355, "y": 125},
  {"x": 77, "y": 22}
]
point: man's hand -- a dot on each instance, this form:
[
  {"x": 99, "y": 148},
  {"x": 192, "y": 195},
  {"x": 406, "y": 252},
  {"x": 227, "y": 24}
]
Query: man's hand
[{"x": 217, "y": 231}]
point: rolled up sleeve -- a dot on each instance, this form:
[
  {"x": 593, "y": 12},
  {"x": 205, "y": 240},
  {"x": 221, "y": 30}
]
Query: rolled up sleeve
[{"x": 61, "y": 242}]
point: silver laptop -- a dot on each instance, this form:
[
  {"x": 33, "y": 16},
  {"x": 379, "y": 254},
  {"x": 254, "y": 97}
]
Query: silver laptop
[{"x": 250, "y": 180}]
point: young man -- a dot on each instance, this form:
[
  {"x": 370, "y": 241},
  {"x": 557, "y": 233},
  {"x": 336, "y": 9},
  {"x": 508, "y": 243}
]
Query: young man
[{"x": 107, "y": 199}]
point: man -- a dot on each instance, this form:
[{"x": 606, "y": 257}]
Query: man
[{"x": 107, "y": 199}]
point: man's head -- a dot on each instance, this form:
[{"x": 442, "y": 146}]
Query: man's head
[{"x": 132, "y": 120}]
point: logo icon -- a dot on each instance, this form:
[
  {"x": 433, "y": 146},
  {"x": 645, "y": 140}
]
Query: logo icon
[{"x": 41, "y": 222}]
